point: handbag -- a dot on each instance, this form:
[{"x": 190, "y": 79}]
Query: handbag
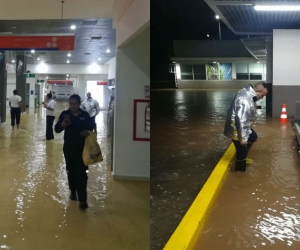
[{"x": 91, "y": 152}]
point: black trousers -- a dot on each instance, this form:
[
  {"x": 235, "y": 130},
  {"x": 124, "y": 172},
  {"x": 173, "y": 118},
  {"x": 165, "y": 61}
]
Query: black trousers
[
  {"x": 76, "y": 170},
  {"x": 94, "y": 123},
  {"x": 15, "y": 114},
  {"x": 49, "y": 127},
  {"x": 242, "y": 151}
]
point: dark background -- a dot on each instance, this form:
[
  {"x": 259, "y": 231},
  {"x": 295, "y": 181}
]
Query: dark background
[{"x": 179, "y": 20}]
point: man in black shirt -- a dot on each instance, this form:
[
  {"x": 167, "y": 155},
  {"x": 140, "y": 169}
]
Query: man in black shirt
[{"x": 76, "y": 123}]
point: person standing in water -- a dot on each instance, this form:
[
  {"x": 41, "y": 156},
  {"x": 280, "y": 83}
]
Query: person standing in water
[
  {"x": 76, "y": 123},
  {"x": 240, "y": 116},
  {"x": 50, "y": 116},
  {"x": 16, "y": 107},
  {"x": 91, "y": 105}
]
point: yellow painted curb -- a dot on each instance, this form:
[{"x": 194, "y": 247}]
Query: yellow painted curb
[{"x": 187, "y": 232}]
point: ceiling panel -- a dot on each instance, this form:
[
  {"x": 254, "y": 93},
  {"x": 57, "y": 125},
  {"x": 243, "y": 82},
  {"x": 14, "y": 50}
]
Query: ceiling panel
[
  {"x": 86, "y": 28},
  {"x": 241, "y": 17}
]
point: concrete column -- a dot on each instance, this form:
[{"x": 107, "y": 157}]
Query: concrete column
[
  {"x": 31, "y": 82},
  {"x": 3, "y": 86},
  {"x": 81, "y": 86},
  {"x": 131, "y": 159},
  {"x": 269, "y": 75},
  {"x": 21, "y": 68}
]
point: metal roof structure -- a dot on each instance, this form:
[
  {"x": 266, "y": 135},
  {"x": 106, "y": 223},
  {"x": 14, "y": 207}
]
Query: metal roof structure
[
  {"x": 257, "y": 47},
  {"x": 241, "y": 17}
]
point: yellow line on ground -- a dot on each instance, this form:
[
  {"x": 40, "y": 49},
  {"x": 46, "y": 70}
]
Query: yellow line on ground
[{"x": 187, "y": 232}]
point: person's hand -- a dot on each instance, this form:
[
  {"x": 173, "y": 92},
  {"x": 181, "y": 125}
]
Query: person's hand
[
  {"x": 65, "y": 123},
  {"x": 244, "y": 144},
  {"x": 84, "y": 133}
]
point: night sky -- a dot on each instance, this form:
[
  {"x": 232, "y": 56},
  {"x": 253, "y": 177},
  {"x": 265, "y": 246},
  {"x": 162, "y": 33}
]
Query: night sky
[{"x": 180, "y": 20}]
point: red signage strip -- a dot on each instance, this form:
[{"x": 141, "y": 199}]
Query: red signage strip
[
  {"x": 102, "y": 83},
  {"x": 64, "y": 82},
  {"x": 38, "y": 42}
]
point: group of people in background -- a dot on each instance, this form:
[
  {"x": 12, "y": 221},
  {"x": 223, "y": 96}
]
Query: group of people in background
[{"x": 76, "y": 121}]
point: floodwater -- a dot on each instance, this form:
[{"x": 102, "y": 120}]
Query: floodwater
[
  {"x": 259, "y": 209},
  {"x": 35, "y": 209},
  {"x": 186, "y": 143}
]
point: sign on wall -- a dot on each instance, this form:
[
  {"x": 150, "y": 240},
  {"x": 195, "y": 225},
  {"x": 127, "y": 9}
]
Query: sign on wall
[
  {"x": 37, "y": 42},
  {"x": 141, "y": 120},
  {"x": 219, "y": 71}
]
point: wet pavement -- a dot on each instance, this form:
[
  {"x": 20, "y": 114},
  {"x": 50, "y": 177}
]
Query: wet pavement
[
  {"x": 35, "y": 210},
  {"x": 186, "y": 143},
  {"x": 259, "y": 209}
]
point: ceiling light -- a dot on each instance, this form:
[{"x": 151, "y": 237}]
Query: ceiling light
[
  {"x": 99, "y": 59},
  {"x": 47, "y": 77},
  {"x": 277, "y": 7},
  {"x": 214, "y": 62},
  {"x": 207, "y": 35},
  {"x": 108, "y": 51},
  {"x": 38, "y": 59},
  {"x": 67, "y": 75},
  {"x": 32, "y": 51},
  {"x": 217, "y": 17},
  {"x": 258, "y": 61},
  {"x": 69, "y": 54},
  {"x": 68, "y": 61},
  {"x": 14, "y": 27},
  {"x": 13, "y": 61},
  {"x": 73, "y": 27}
]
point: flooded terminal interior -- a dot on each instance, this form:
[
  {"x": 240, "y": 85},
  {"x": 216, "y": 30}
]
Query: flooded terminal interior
[{"x": 70, "y": 74}]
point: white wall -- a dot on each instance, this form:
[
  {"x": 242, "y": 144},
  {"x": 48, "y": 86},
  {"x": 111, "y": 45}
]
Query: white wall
[
  {"x": 286, "y": 57},
  {"x": 131, "y": 17},
  {"x": 131, "y": 158},
  {"x": 112, "y": 68}
]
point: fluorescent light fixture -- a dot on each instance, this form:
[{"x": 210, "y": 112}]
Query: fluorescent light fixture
[
  {"x": 214, "y": 62},
  {"x": 73, "y": 27},
  {"x": 108, "y": 51},
  {"x": 32, "y": 51},
  {"x": 13, "y": 61},
  {"x": 217, "y": 17},
  {"x": 69, "y": 54},
  {"x": 67, "y": 75},
  {"x": 99, "y": 59},
  {"x": 277, "y": 7},
  {"x": 38, "y": 59},
  {"x": 68, "y": 61}
]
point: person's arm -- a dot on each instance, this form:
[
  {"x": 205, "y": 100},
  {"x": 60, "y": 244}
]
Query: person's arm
[
  {"x": 243, "y": 122},
  {"x": 97, "y": 107},
  {"x": 61, "y": 124},
  {"x": 50, "y": 106},
  {"x": 21, "y": 105},
  {"x": 9, "y": 103}
]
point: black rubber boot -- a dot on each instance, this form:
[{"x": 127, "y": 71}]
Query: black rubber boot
[{"x": 240, "y": 166}]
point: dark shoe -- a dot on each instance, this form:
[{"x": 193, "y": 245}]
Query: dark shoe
[
  {"x": 73, "y": 197},
  {"x": 83, "y": 205},
  {"x": 240, "y": 166}
]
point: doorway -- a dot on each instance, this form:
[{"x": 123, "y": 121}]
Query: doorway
[{"x": 97, "y": 92}]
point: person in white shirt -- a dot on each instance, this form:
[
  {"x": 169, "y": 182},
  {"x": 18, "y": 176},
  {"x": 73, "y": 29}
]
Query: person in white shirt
[
  {"x": 91, "y": 106},
  {"x": 16, "y": 107},
  {"x": 50, "y": 107}
]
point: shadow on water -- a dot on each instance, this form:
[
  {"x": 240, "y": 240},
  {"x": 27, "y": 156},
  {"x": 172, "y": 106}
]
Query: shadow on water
[{"x": 186, "y": 143}]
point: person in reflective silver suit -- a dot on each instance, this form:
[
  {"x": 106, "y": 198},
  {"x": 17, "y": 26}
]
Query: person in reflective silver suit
[{"x": 240, "y": 116}]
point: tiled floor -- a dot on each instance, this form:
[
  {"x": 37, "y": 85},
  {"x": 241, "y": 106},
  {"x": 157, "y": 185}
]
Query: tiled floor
[{"x": 35, "y": 210}]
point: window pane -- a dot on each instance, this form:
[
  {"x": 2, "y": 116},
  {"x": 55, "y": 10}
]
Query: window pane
[
  {"x": 256, "y": 68},
  {"x": 186, "y": 72},
  {"x": 254, "y": 76},
  {"x": 225, "y": 71},
  {"x": 242, "y": 68},
  {"x": 212, "y": 71},
  {"x": 242, "y": 76},
  {"x": 199, "y": 72}
]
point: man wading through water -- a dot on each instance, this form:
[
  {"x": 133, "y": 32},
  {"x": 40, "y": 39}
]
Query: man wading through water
[{"x": 240, "y": 116}]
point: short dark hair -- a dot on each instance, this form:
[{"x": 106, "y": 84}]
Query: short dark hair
[
  {"x": 76, "y": 97},
  {"x": 49, "y": 96},
  {"x": 15, "y": 92},
  {"x": 261, "y": 85}
]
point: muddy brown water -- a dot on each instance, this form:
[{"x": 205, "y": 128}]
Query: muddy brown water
[
  {"x": 259, "y": 209},
  {"x": 186, "y": 143}
]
